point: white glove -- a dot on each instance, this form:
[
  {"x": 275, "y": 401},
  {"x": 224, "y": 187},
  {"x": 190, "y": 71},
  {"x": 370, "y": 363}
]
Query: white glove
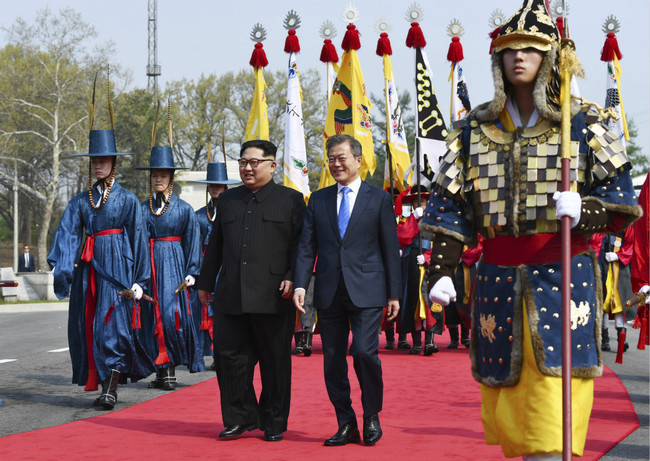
[
  {"x": 568, "y": 204},
  {"x": 137, "y": 291},
  {"x": 420, "y": 260},
  {"x": 418, "y": 212},
  {"x": 443, "y": 292},
  {"x": 645, "y": 289},
  {"x": 610, "y": 257},
  {"x": 400, "y": 253},
  {"x": 190, "y": 280}
]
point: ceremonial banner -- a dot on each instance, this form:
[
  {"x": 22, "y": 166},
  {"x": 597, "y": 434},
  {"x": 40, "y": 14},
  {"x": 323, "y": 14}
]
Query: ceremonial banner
[
  {"x": 295, "y": 151},
  {"x": 395, "y": 134},
  {"x": 349, "y": 112},
  {"x": 431, "y": 132},
  {"x": 257, "y": 126},
  {"x": 460, "y": 105},
  {"x": 613, "y": 100}
]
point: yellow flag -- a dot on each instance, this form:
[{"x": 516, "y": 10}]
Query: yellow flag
[
  {"x": 257, "y": 126},
  {"x": 395, "y": 134},
  {"x": 349, "y": 113}
]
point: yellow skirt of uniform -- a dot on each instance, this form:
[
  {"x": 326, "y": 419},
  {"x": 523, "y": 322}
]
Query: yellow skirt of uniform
[{"x": 527, "y": 418}]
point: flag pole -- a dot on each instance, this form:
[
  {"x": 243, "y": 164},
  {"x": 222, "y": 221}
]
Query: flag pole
[{"x": 567, "y": 46}]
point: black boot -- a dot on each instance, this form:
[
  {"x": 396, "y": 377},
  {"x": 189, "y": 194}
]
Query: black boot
[
  {"x": 621, "y": 336},
  {"x": 299, "y": 338},
  {"x": 417, "y": 343},
  {"x": 604, "y": 344},
  {"x": 307, "y": 347},
  {"x": 157, "y": 383},
  {"x": 464, "y": 337},
  {"x": 429, "y": 346},
  {"x": 108, "y": 399},
  {"x": 390, "y": 339},
  {"x": 402, "y": 343},
  {"x": 453, "y": 335},
  {"x": 98, "y": 400},
  {"x": 169, "y": 378}
]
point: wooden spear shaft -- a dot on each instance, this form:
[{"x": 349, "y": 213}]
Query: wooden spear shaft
[{"x": 565, "y": 99}]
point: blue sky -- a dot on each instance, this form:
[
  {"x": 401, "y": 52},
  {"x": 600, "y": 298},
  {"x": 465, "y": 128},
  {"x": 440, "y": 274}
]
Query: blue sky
[{"x": 203, "y": 36}]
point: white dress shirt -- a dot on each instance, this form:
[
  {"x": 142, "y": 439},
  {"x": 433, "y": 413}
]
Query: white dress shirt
[{"x": 352, "y": 195}]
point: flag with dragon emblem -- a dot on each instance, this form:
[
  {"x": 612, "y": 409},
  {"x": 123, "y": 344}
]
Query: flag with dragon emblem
[{"x": 349, "y": 113}]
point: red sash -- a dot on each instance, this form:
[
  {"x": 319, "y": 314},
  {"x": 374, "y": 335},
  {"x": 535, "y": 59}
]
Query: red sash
[
  {"x": 530, "y": 249},
  {"x": 91, "y": 304},
  {"x": 159, "y": 333}
]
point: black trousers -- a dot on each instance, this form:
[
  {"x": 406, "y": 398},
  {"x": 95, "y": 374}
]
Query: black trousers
[
  {"x": 240, "y": 342},
  {"x": 335, "y": 323}
]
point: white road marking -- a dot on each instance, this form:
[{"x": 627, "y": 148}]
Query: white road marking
[
  {"x": 8, "y": 360},
  {"x": 63, "y": 349}
]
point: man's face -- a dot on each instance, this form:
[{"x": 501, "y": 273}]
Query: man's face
[
  {"x": 344, "y": 166},
  {"x": 160, "y": 180},
  {"x": 215, "y": 190},
  {"x": 26, "y": 249},
  {"x": 101, "y": 166},
  {"x": 259, "y": 176}
]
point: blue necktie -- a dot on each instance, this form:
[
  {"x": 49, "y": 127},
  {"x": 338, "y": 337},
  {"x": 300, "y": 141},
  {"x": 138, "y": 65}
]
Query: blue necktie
[{"x": 344, "y": 211}]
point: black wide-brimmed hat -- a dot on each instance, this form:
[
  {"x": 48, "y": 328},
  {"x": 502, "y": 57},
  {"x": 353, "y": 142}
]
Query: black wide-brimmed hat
[
  {"x": 413, "y": 194},
  {"x": 162, "y": 158},
  {"x": 217, "y": 174},
  {"x": 530, "y": 27}
]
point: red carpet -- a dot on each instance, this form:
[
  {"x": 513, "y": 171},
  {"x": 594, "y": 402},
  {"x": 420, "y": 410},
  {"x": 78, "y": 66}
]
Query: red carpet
[{"x": 431, "y": 411}]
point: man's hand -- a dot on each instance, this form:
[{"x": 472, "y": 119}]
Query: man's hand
[
  {"x": 420, "y": 260},
  {"x": 610, "y": 257},
  {"x": 286, "y": 287},
  {"x": 393, "y": 309},
  {"x": 418, "y": 212},
  {"x": 190, "y": 280},
  {"x": 443, "y": 291},
  {"x": 299, "y": 299},
  {"x": 205, "y": 297},
  {"x": 568, "y": 204}
]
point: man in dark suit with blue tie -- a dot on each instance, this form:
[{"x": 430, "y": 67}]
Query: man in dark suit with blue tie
[
  {"x": 26, "y": 261},
  {"x": 351, "y": 227}
]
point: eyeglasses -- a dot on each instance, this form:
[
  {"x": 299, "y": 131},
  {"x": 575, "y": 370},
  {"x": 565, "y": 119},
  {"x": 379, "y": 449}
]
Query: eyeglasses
[{"x": 253, "y": 162}]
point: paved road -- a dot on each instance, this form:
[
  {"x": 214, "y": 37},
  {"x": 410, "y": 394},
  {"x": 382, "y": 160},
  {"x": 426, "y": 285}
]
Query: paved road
[{"x": 35, "y": 376}]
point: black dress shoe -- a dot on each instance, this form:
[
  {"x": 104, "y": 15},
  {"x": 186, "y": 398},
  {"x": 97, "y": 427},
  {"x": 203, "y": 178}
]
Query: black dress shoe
[
  {"x": 271, "y": 437},
  {"x": 371, "y": 430},
  {"x": 236, "y": 430},
  {"x": 430, "y": 349},
  {"x": 346, "y": 434}
]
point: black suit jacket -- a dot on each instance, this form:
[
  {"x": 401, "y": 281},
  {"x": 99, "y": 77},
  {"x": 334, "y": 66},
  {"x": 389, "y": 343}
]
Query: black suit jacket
[
  {"x": 253, "y": 243},
  {"x": 367, "y": 258},
  {"x": 29, "y": 267}
]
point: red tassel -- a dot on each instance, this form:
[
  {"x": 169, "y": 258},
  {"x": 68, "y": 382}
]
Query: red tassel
[
  {"x": 455, "y": 53},
  {"x": 641, "y": 322},
  {"x": 258, "y": 59},
  {"x": 134, "y": 317},
  {"x": 328, "y": 53},
  {"x": 108, "y": 314},
  {"x": 415, "y": 37},
  {"x": 621, "y": 346},
  {"x": 291, "y": 44},
  {"x": 610, "y": 48},
  {"x": 493, "y": 35},
  {"x": 351, "y": 39},
  {"x": 204, "y": 317},
  {"x": 559, "y": 22},
  {"x": 383, "y": 45},
  {"x": 178, "y": 320}
]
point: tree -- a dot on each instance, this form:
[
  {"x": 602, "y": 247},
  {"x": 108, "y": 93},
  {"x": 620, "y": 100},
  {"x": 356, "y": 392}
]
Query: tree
[
  {"x": 45, "y": 74},
  {"x": 638, "y": 160}
]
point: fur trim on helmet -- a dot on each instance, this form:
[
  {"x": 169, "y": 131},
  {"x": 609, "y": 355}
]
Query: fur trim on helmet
[{"x": 546, "y": 93}]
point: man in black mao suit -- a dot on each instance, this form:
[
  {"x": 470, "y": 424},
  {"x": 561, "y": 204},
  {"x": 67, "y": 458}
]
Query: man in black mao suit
[
  {"x": 26, "y": 261},
  {"x": 357, "y": 274},
  {"x": 252, "y": 248}
]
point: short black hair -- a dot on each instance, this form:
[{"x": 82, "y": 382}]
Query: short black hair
[
  {"x": 268, "y": 148},
  {"x": 337, "y": 139}
]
